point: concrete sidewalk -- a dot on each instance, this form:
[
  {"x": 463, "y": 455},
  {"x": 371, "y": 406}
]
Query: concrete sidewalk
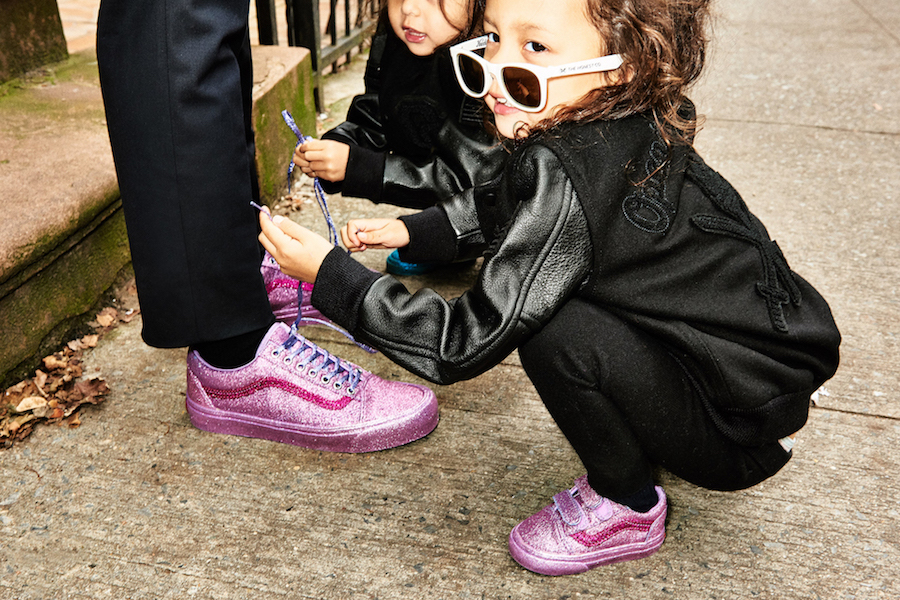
[{"x": 804, "y": 119}]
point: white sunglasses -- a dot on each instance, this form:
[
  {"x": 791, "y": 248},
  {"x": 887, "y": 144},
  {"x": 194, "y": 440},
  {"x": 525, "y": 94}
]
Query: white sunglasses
[{"x": 524, "y": 85}]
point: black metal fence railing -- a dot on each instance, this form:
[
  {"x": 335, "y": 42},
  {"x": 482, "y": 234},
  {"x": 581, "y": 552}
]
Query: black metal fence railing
[{"x": 357, "y": 20}]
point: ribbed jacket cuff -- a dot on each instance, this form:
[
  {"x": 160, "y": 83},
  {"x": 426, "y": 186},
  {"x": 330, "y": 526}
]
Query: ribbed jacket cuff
[
  {"x": 365, "y": 174},
  {"x": 431, "y": 237},
  {"x": 340, "y": 288}
]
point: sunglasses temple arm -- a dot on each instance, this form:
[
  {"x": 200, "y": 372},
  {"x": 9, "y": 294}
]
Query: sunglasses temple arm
[{"x": 610, "y": 62}]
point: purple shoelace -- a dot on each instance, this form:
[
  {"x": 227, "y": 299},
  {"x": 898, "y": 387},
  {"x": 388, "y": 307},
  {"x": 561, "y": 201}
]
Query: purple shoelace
[
  {"x": 320, "y": 193},
  {"x": 334, "y": 368},
  {"x": 333, "y": 238}
]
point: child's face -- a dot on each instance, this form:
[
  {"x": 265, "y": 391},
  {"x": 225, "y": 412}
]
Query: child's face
[
  {"x": 423, "y": 26},
  {"x": 546, "y": 33}
]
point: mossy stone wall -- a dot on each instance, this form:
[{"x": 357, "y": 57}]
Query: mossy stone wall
[
  {"x": 292, "y": 90},
  {"x": 31, "y": 35}
]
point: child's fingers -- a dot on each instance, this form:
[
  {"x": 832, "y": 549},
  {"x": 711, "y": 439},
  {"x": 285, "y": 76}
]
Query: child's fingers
[
  {"x": 350, "y": 237},
  {"x": 385, "y": 233},
  {"x": 319, "y": 160},
  {"x": 290, "y": 229},
  {"x": 266, "y": 226},
  {"x": 347, "y": 238},
  {"x": 312, "y": 144},
  {"x": 271, "y": 232},
  {"x": 266, "y": 243},
  {"x": 298, "y": 250},
  {"x": 282, "y": 232},
  {"x": 312, "y": 163},
  {"x": 380, "y": 238}
]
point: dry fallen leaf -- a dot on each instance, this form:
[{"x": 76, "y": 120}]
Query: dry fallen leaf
[
  {"x": 17, "y": 388},
  {"x": 30, "y": 403},
  {"x": 129, "y": 315},
  {"x": 107, "y": 317},
  {"x": 55, "y": 393},
  {"x": 91, "y": 390},
  {"x": 40, "y": 380},
  {"x": 55, "y": 362}
]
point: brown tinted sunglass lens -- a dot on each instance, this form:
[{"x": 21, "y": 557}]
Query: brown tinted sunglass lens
[
  {"x": 472, "y": 73},
  {"x": 523, "y": 86}
]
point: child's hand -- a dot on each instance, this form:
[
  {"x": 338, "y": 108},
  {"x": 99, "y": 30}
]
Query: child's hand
[
  {"x": 299, "y": 251},
  {"x": 361, "y": 234},
  {"x": 323, "y": 158}
]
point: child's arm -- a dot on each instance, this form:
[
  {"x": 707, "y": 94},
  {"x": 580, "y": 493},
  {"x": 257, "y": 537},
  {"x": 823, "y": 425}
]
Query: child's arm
[
  {"x": 298, "y": 251},
  {"x": 540, "y": 257}
]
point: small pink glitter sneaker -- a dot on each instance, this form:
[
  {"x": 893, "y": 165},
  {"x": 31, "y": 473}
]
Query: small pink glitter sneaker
[
  {"x": 297, "y": 393},
  {"x": 582, "y": 530}
]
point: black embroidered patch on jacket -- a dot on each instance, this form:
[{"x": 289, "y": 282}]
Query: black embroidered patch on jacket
[
  {"x": 778, "y": 287},
  {"x": 648, "y": 208}
]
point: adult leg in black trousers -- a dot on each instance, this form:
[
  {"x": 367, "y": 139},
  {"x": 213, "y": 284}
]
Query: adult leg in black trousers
[
  {"x": 176, "y": 80},
  {"x": 626, "y": 405}
]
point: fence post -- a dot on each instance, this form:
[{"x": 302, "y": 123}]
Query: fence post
[
  {"x": 303, "y": 30},
  {"x": 266, "y": 23}
]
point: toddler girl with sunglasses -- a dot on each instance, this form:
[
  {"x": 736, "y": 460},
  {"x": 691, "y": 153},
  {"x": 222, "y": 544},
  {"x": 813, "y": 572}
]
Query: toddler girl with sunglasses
[{"x": 658, "y": 322}]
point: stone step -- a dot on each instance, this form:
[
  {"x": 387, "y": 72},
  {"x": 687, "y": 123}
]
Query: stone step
[{"x": 62, "y": 233}]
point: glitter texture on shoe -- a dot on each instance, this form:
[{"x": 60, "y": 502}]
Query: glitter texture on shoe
[
  {"x": 582, "y": 530},
  {"x": 291, "y": 301},
  {"x": 298, "y": 393},
  {"x": 283, "y": 296}
]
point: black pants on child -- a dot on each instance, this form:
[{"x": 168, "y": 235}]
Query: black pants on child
[{"x": 626, "y": 405}]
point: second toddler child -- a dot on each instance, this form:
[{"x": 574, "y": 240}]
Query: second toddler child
[{"x": 413, "y": 138}]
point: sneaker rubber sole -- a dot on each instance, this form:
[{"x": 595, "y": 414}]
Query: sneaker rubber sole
[
  {"x": 567, "y": 565},
  {"x": 370, "y": 437}
]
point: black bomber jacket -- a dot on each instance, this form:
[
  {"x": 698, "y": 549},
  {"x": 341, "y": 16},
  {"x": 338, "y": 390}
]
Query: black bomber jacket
[{"x": 608, "y": 212}]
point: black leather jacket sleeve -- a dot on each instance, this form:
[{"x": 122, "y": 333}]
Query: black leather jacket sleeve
[
  {"x": 540, "y": 257},
  {"x": 363, "y": 126},
  {"x": 460, "y": 160},
  {"x": 449, "y": 231}
]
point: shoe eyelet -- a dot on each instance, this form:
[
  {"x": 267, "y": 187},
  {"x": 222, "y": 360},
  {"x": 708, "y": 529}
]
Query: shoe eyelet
[
  {"x": 276, "y": 352},
  {"x": 338, "y": 385},
  {"x": 312, "y": 373},
  {"x": 325, "y": 379},
  {"x": 288, "y": 359}
]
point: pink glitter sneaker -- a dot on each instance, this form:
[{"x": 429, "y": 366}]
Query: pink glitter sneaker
[
  {"x": 297, "y": 393},
  {"x": 582, "y": 530}
]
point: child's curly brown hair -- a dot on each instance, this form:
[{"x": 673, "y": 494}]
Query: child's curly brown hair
[{"x": 663, "y": 45}]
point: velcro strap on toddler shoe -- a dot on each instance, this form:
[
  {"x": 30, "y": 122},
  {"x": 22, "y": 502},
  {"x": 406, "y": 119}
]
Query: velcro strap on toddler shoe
[{"x": 568, "y": 508}]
